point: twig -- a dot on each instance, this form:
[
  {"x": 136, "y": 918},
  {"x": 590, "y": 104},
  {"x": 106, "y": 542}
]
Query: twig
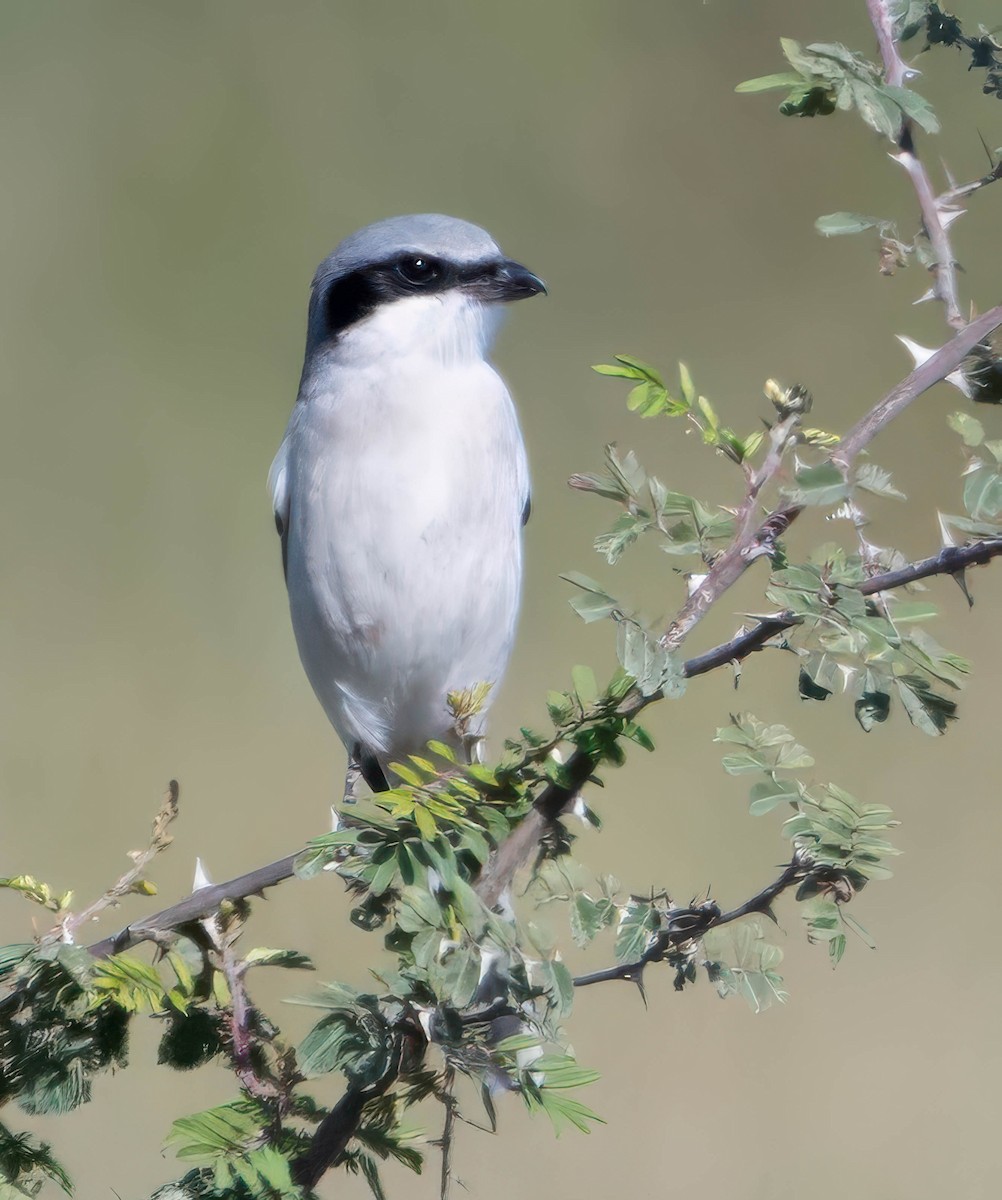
[
  {"x": 160, "y": 839},
  {"x": 951, "y": 560},
  {"x": 448, "y": 1132},
  {"x": 686, "y": 924},
  {"x": 241, "y": 1017},
  {"x": 753, "y": 538},
  {"x": 896, "y": 73}
]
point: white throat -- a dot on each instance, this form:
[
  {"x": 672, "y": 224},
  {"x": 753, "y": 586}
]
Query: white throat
[{"x": 450, "y": 327}]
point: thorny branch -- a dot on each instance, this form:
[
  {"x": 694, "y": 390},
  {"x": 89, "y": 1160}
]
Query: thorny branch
[
  {"x": 752, "y": 541},
  {"x": 951, "y": 560},
  {"x": 200, "y": 904},
  {"x": 241, "y": 1015},
  {"x": 937, "y": 367},
  {"x": 336, "y": 1130},
  {"x": 683, "y": 925},
  {"x": 896, "y": 73}
]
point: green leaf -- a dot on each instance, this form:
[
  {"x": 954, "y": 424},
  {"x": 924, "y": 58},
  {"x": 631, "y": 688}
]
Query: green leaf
[
  {"x": 771, "y": 794},
  {"x": 837, "y": 224},
  {"x": 877, "y": 481},
  {"x": 983, "y": 492},
  {"x": 383, "y": 877},
  {"x": 132, "y": 985},
  {"x": 652, "y": 667},
  {"x": 969, "y": 428},
  {"x": 585, "y": 685},
  {"x": 768, "y": 83},
  {"x": 290, "y": 959},
  {"x": 627, "y": 367},
  {"x": 742, "y": 962},
  {"x": 926, "y": 710},
  {"x": 425, "y": 822},
  {"x": 589, "y": 917},
  {"x": 214, "y": 1132},
  {"x": 563, "y": 1111},
  {"x": 638, "y": 920},
  {"x": 594, "y": 603},
  {"x": 914, "y": 106},
  {"x": 820, "y": 485}
]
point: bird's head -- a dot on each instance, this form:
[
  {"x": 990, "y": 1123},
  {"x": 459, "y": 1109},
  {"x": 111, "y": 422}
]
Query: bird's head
[{"x": 410, "y": 284}]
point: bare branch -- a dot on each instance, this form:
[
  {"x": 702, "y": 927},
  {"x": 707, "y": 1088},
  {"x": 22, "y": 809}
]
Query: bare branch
[{"x": 944, "y": 362}]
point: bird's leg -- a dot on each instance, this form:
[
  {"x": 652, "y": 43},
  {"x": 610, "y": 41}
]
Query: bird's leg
[
  {"x": 352, "y": 777},
  {"x": 473, "y": 747}
]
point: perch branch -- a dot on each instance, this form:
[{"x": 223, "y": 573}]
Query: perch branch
[
  {"x": 199, "y": 905},
  {"x": 518, "y": 847}
]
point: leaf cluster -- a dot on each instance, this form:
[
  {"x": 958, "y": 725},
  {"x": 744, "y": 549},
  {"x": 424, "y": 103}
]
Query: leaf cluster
[{"x": 827, "y": 76}]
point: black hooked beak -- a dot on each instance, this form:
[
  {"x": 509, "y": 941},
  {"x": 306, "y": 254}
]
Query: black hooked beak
[{"x": 505, "y": 281}]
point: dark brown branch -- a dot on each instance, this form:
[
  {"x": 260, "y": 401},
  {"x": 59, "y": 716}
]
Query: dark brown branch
[
  {"x": 337, "y": 1129},
  {"x": 686, "y": 924},
  {"x": 195, "y": 907}
]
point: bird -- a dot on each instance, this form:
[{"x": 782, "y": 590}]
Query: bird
[{"x": 401, "y": 488}]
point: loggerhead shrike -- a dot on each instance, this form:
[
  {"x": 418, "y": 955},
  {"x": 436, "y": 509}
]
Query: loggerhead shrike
[{"x": 401, "y": 486}]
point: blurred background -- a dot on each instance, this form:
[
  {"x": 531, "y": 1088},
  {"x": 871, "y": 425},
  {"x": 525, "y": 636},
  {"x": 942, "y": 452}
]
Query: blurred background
[{"x": 172, "y": 175}]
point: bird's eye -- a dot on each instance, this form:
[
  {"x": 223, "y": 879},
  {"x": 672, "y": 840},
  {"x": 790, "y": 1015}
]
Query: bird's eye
[{"x": 418, "y": 271}]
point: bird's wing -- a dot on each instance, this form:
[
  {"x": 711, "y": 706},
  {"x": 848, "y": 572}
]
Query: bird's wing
[
  {"x": 527, "y": 508},
  {"x": 278, "y": 485}
]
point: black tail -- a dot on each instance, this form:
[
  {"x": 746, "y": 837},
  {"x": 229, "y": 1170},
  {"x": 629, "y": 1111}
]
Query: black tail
[{"x": 372, "y": 772}]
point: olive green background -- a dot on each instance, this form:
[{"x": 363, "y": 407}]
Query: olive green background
[{"x": 171, "y": 175}]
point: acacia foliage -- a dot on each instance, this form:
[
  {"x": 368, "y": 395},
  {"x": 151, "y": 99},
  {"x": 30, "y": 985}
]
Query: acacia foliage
[{"x": 466, "y": 984}]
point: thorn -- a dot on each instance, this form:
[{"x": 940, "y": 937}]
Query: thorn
[
  {"x": 960, "y": 579},
  {"x": 638, "y": 979},
  {"x": 201, "y": 879},
  {"x": 921, "y": 354},
  {"x": 945, "y": 532}
]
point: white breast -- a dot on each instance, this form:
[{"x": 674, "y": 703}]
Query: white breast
[{"x": 405, "y": 480}]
